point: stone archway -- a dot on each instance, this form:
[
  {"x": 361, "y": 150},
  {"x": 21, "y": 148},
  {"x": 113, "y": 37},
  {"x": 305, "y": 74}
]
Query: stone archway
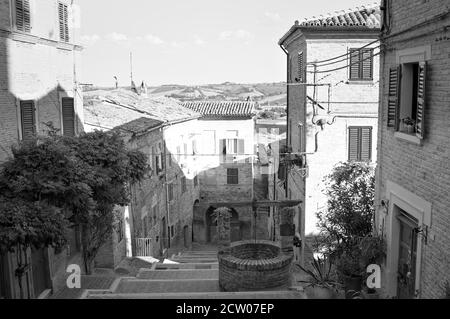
[{"x": 211, "y": 226}]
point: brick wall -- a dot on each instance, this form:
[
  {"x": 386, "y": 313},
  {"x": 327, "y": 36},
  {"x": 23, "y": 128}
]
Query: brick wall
[
  {"x": 152, "y": 191},
  {"x": 253, "y": 266},
  {"x": 423, "y": 169},
  {"x": 213, "y": 174},
  {"x": 36, "y": 67}
]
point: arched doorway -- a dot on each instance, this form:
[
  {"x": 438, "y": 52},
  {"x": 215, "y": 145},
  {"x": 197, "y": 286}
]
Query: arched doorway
[{"x": 211, "y": 226}]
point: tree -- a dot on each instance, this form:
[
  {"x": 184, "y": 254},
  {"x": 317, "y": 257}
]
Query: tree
[
  {"x": 80, "y": 179},
  {"x": 222, "y": 216},
  {"x": 350, "y": 210}
]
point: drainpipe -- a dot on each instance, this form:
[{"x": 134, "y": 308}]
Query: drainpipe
[
  {"x": 167, "y": 193},
  {"x": 287, "y": 108}
]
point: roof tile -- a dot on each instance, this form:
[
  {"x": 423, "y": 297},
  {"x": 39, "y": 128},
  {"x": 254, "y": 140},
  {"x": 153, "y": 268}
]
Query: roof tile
[
  {"x": 364, "y": 16},
  {"x": 222, "y": 109}
]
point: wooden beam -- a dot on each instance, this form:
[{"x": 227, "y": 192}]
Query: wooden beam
[{"x": 260, "y": 203}]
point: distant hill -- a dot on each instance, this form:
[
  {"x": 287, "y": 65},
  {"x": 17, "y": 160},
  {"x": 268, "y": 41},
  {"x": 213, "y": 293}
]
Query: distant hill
[
  {"x": 266, "y": 94},
  {"x": 270, "y": 97}
]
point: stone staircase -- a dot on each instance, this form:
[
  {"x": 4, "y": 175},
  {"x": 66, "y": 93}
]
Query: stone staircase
[{"x": 193, "y": 275}]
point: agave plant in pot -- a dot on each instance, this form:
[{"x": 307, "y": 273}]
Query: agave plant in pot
[{"x": 322, "y": 283}]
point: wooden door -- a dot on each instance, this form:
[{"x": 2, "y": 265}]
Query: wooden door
[{"x": 406, "y": 279}]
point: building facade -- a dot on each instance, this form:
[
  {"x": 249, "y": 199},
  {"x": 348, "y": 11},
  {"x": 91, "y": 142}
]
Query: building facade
[
  {"x": 413, "y": 189},
  {"x": 39, "y": 63},
  {"x": 332, "y": 75},
  {"x": 160, "y": 215},
  {"x": 228, "y": 155}
]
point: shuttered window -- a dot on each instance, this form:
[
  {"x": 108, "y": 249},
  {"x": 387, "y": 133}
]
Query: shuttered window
[
  {"x": 361, "y": 64},
  {"x": 232, "y": 176},
  {"x": 183, "y": 185},
  {"x": 170, "y": 191},
  {"x": 360, "y": 144},
  {"x": 393, "y": 97},
  {"x": 28, "y": 119},
  {"x": 68, "y": 116},
  {"x": 63, "y": 14},
  {"x": 420, "y": 122},
  {"x": 23, "y": 15}
]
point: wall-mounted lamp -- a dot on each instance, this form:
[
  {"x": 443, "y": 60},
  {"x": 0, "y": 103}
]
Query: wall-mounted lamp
[{"x": 385, "y": 205}]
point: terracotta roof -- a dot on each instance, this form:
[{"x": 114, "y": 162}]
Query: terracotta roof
[
  {"x": 130, "y": 111},
  {"x": 223, "y": 109},
  {"x": 365, "y": 16}
]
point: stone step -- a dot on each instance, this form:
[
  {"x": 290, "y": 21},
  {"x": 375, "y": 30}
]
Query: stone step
[
  {"x": 196, "y": 265},
  {"x": 209, "y": 295},
  {"x": 197, "y": 255},
  {"x": 193, "y": 260},
  {"x": 130, "y": 286},
  {"x": 178, "y": 274}
]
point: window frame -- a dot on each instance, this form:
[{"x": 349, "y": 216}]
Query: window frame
[
  {"x": 360, "y": 63},
  {"x": 65, "y": 23},
  {"x": 360, "y": 144},
  {"x": 62, "y": 115},
  {"x": 20, "y": 118},
  {"x": 183, "y": 185},
  {"x": 170, "y": 192},
  {"x": 15, "y": 18},
  {"x": 232, "y": 179}
]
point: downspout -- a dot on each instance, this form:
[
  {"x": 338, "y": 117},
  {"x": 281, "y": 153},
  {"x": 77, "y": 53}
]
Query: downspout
[
  {"x": 167, "y": 193},
  {"x": 287, "y": 108}
]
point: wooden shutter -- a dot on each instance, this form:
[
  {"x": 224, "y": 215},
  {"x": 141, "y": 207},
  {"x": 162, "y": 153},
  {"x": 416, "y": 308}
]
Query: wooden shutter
[
  {"x": 354, "y": 64},
  {"x": 223, "y": 147},
  {"x": 28, "y": 121},
  {"x": 366, "y": 144},
  {"x": 421, "y": 100},
  {"x": 63, "y": 15},
  {"x": 393, "y": 96},
  {"x": 353, "y": 142},
  {"x": 23, "y": 15},
  {"x": 367, "y": 64},
  {"x": 68, "y": 115},
  {"x": 241, "y": 147},
  {"x": 301, "y": 68}
]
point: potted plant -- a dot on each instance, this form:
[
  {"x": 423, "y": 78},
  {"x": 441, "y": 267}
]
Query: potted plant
[
  {"x": 321, "y": 283},
  {"x": 351, "y": 270},
  {"x": 409, "y": 125}
]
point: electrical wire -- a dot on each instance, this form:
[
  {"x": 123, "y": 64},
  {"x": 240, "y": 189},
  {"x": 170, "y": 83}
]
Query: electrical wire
[
  {"x": 347, "y": 66},
  {"x": 345, "y": 59},
  {"x": 340, "y": 56}
]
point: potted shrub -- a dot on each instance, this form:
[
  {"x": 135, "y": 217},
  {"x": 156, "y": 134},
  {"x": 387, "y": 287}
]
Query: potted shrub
[
  {"x": 351, "y": 270},
  {"x": 322, "y": 283}
]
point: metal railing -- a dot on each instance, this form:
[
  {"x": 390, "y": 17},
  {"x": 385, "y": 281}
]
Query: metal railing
[{"x": 144, "y": 247}]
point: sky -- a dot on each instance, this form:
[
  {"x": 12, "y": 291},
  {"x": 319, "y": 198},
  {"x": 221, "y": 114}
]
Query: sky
[{"x": 191, "y": 42}]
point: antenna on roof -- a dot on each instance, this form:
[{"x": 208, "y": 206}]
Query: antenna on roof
[
  {"x": 133, "y": 85},
  {"x": 131, "y": 66}
]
